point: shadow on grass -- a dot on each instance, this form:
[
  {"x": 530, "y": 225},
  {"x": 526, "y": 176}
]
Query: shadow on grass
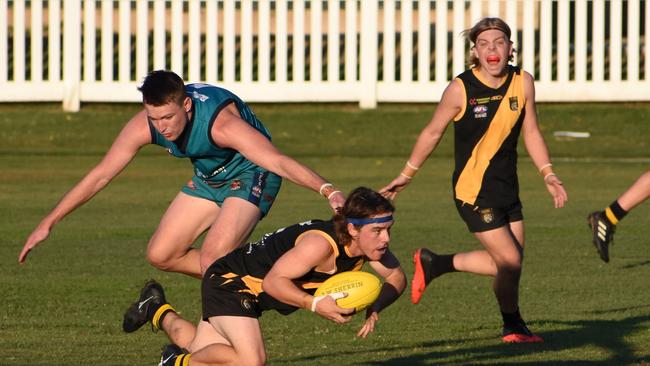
[
  {"x": 605, "y": 334},
  {"x": 634, "y": 265},
  {"x": 608, "y": 335}
]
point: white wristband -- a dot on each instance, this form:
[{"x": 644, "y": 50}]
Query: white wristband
[
  {"x": 325, "y": 185},
  {"x": 545, "y": 166},
  {"x": 333, "y": 193},
  {"x": 335, "y": 296},
  {"x": 548, "y": 175},
  {"x": 408, "y": 163}
]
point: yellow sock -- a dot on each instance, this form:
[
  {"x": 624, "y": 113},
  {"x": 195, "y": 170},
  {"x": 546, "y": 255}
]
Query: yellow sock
[
  {"x": 157, "y": 317},
  {"x": 183, "y": 360}
]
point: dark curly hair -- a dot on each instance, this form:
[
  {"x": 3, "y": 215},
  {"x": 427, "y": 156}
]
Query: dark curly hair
[
  {"x": 161, "y": 87},
  {"x": 361, "y": 203}
]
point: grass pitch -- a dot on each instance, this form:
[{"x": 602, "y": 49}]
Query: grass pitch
[{"x": 65, "y": 305}]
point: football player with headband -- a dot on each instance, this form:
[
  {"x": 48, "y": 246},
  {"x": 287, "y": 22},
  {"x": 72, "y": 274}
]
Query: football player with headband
[
  {"x": 489, "y": 104},
  {"x": 280, "y": 272}
]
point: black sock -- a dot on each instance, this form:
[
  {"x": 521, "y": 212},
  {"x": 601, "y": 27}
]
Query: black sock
[
  {"x": 616, "y": 211},
  {"x": 443, "y": 264},
  {"x": 511, "y": 318}
]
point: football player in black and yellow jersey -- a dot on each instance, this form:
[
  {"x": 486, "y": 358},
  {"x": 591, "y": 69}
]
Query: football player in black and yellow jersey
[
  {"x": 603, "y": 223},
  {"x": 280, "y": 272},
  {"x": 490, "y": 105}
]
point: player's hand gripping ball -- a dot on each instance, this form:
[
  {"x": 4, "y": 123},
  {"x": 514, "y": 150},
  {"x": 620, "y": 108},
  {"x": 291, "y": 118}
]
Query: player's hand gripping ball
[{"x": 362, "y": 288}]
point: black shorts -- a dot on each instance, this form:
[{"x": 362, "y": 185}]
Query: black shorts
[
  {"x": 227, "y": 296},
  {"x": 480, "y": 219}
]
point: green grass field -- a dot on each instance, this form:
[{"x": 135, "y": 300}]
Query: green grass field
[{"x": 65, "y": 305}]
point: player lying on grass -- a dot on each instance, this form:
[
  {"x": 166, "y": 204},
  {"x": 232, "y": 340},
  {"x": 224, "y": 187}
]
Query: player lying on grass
[
  {"x": 603, "y": 223},
  {"x": 279, "y": 272}
]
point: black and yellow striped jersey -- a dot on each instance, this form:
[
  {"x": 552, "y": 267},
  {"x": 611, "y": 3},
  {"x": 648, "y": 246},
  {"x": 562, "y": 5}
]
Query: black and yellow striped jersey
[
  {"x": 486, "y": 133},
  {"x": 252, "y": 262}
]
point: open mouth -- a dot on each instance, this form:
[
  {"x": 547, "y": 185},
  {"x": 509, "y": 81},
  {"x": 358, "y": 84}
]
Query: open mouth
[{"x": 493, "y": 59}]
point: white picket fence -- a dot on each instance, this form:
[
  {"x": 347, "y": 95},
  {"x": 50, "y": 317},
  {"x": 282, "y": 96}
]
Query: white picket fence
[{"x": 364, "y": 51}]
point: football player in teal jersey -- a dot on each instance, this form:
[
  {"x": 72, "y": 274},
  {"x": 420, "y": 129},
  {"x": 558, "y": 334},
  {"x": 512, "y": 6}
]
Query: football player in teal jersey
[{"x": 237, "y": 172}]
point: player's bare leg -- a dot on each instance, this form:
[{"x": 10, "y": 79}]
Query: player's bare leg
[
  {"x": 232, "y": 227},
  {"x": 235, "y": 341},
  {"x": 170, "y": 246}
]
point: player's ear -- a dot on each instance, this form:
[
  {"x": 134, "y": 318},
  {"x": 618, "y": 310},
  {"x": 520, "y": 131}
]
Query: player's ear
[
  {"x": 187, "y": 104},
  {"x": 352, "y": 230}
]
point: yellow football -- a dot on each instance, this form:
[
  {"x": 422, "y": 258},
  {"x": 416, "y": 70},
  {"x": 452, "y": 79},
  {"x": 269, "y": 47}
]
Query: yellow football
[{"x": 362, "y": 288}]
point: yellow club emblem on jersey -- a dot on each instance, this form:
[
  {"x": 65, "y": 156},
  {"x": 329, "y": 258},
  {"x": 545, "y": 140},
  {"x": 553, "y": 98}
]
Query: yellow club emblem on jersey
[
  {"x": 514, "y": 103},
  {"x": 486, "y": 215}
]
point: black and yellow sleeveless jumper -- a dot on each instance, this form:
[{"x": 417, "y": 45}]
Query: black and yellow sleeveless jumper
[
  {"x": 486, "y": 134},
  {"x": 250, "y": 263}
]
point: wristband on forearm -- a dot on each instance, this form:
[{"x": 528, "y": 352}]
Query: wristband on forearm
[
  {"x": 327, "y": 190},
  {"x": 409, "y": 170},
  {"x": 546, "y": 169}
]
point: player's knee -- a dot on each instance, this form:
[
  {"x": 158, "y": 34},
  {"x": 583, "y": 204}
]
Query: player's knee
[
  {"x": 206, "y": 260},
  {"x": 161, "y": 260},
  {"x": 511, "y": 263},
  {"x": 257, "y": 358}
]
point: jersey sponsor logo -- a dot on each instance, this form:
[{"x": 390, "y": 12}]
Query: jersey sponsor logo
[
  {"x": 480, "y": 111},
  {"x": 199, "y": 96},
  {"x": 204, "y": 176},
  {"x": 514, "y": 103},
  {"x": 484, "y": 100},
  {"x": 258, "y": 186},
  {"x": 235, "y": 185},
  {"x": 496, "y": 97}
]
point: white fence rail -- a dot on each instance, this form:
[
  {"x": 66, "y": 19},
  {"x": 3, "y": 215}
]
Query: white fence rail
[{"x": 364, "y": 51}]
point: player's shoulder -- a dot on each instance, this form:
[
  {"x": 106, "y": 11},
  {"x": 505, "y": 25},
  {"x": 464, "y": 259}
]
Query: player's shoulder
[{"x": 517, "y": 70}]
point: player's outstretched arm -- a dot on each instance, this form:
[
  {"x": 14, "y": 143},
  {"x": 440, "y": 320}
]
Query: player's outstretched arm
[
  {"x": 450, "y": 105},
  {"x": 537, "y": 148},
  {"x": 229, "y": 130},
  {"x": 133, "y": 136}
]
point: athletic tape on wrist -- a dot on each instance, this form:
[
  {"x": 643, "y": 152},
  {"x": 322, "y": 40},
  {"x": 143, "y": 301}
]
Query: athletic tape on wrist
[{"x": 334, "y": 295}]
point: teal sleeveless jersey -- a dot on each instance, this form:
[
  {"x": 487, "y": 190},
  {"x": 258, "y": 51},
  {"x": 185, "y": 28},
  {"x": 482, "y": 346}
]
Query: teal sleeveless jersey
[{"x": 211, "y": 162}]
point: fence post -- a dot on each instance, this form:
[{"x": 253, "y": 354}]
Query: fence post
[
  {"x": 71, "y": 55},
  {"x": 368, "y": 59}
]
